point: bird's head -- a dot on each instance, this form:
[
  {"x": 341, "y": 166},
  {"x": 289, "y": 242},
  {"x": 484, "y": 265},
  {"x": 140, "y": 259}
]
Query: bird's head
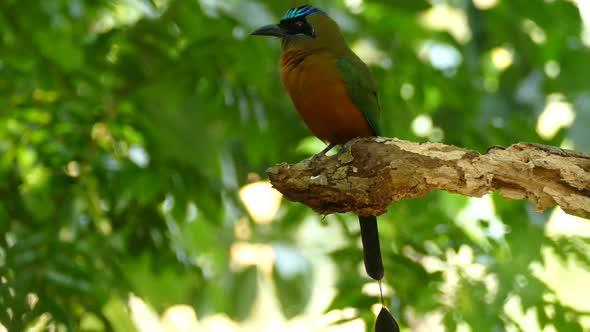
[{"x": 304, "y": 27}]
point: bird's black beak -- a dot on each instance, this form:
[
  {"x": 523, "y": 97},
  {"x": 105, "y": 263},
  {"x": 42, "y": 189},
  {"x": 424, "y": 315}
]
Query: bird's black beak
[{"x": 269, "y": 30}]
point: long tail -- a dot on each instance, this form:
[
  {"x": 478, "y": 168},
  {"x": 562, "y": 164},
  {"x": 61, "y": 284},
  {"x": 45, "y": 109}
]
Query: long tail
[
  {"x": 371, "y": 248},
  {"x": 374, "y": 267}
]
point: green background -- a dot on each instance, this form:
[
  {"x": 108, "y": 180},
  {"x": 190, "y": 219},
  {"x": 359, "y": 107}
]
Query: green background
[{"x": 127, "y": 129}]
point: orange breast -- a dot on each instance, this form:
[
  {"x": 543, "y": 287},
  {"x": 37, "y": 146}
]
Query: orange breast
[{"x": 321, "y": 98}]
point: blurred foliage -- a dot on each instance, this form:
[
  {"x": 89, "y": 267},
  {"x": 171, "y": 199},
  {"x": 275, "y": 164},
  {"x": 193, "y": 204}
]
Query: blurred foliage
[{"x": 127, "y": 128}]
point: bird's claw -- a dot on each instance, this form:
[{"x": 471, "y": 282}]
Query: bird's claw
[
  {"x": 321, "y": 154},
  {"x": 315, "y": 158}
]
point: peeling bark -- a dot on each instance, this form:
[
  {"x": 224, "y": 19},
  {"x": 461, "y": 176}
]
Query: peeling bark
[{"x": 369, "y": 174}]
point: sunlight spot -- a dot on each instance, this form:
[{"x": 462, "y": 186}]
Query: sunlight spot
[
  {"x": 501, "y": 57},
  {"x": 341, "y": 315},
  {"x": 219, "y": 322},
  {"x": 567, "y": 143},
  {"x": 552, "y": 68},
  {"x": 139, "y": 156},
  {"x": 41, "y": 323},
  {"x": 32, "y": 300},
  {"x": 442, "y": 17},
  {"x": 288, "y": 262},
  {"x": 104, "y": 226},
  {"x": 245, "y": 254},
  {"x": 100, "y": 133},
  {"x": 213, "y": 8},
  {"x": 73, "y": 169},
  {"x": 477, "y": 210},
  {"x": 376, "y": 308},
  {"x": 180, "y": 318},
  {"x": 239, "y": 33},
  {"x": 370, "y": 54},
  {"x": 437, "y": 134},
  {"x": 355, "y": 6},
  {"x": 440, "y": 55},
  {"x": 462, "y": 257},
  {"x": 406, "y": 91},
  {"x": 558, "y": 113},
  {"x": 433, "y": 264},
  {"x": 192, "y": 212},
  {"x": 535, "y": 32},
  {"x": 372, "y": 289},
  {"x": 485, "y": 4},
  {"x": 463, "y": 327},
  {"x": 422, "y": 125},
  {"x": 261, "y": 200},
  {"x": 563, "y": 224},
  {"x": 143, "y": 316},
  {"x": 122, "y": 13},
  {"x": 167, "y": 204},
  {"x": 584, "y": 7}
]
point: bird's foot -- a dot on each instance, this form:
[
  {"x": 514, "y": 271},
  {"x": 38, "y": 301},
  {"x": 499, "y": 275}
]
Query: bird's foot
[{"x": 321, "y": 154}]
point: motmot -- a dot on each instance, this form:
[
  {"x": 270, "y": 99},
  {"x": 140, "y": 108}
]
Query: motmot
[{"x": 335, "y": 95}]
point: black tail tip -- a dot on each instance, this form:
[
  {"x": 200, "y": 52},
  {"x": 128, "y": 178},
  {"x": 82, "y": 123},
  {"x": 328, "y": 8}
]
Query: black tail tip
[{"x": 385, "y": 322}]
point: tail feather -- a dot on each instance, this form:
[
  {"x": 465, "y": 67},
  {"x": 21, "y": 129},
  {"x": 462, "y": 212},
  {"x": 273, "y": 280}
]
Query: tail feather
[{"x": 371, "y": 248}]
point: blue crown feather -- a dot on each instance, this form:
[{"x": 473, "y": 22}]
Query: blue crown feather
[{"x": 299, "y": 12}]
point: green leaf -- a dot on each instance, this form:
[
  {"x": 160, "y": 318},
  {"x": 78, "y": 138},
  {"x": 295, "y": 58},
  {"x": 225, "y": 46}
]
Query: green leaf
[
  {"x": 243, "y": 293},
  {"x": 292, "y": 277}
]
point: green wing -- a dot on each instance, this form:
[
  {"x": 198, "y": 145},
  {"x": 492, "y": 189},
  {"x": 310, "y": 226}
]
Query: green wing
[{"x": 361, "y": 87}]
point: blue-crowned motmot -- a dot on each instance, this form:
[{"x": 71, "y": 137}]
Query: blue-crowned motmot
[{"x": 335, "y": 95}]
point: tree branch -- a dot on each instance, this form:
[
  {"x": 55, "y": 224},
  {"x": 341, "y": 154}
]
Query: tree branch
[{"x": 369, "y": 174}]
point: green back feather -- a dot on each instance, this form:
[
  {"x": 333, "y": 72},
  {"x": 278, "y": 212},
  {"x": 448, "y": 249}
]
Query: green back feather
[{"x": 361, "y": 87}]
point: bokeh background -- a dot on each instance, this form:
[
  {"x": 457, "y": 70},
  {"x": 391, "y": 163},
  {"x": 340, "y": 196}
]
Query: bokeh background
[{"x": 135, "y": 134}]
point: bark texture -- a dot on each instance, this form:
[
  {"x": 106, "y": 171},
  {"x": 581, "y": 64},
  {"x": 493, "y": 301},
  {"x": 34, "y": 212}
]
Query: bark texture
[{"x": 369, "y": 174}]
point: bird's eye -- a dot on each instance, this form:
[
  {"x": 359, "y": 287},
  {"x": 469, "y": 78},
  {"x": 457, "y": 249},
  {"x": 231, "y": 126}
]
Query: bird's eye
[{"x": 298, "y": 24}]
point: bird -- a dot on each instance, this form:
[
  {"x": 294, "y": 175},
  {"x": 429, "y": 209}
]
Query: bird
[{"x": 334, "y": 93}]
